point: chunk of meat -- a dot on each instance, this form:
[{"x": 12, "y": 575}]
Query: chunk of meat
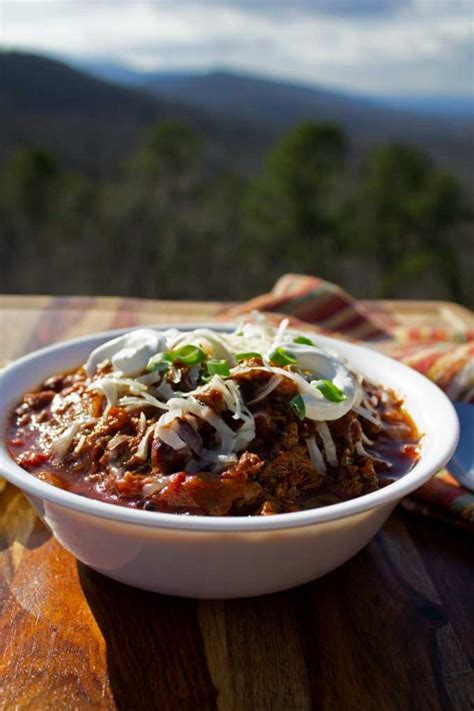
[
  {"x": 209, "y": 494},
  {"x": 31, "y": 459},
  {"x": 354, "y": 481},
  {"x": 289, "y": 474},
  {"x": 39, "y": 400},
  {"x": 212, "y": 398},
  {"x": 166, "y": 460}
]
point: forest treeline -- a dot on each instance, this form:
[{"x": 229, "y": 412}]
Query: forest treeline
[{"x": 167, "y": 226}]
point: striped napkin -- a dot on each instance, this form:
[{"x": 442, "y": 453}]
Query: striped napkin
[{"x": 446, "y": 357}]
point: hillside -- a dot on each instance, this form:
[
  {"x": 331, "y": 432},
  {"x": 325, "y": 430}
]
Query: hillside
[
  {"x": 442, "y": 127},
  {"x": 83, "y": 120},
  {"x": 434, "y": 105},
  {"x": 280, "y": 105},
  {"x": 92, "y": 123}
]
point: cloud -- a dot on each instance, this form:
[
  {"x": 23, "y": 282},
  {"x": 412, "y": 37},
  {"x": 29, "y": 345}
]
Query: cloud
[
  {"x": 363, "y": 8},
  {"x": 371, "y": 46}
]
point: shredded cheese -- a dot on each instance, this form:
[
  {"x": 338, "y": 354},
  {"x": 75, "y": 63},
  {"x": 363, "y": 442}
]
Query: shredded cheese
[
  {"x": 154, "y": 487},
  {"x": 128, "y": 386},
  {"x": 363, "y": 412},
  {"x": 266, "y": 389},
  {"x": 328, "y": 442},
  {"x": 62, "y": 444},
  {"x": 316, "y": 455},
  {"x": 142, "y": 449}
]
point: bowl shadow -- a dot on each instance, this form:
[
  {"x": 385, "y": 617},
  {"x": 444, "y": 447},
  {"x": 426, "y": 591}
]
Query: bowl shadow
[{"x": 154, "y": 648}]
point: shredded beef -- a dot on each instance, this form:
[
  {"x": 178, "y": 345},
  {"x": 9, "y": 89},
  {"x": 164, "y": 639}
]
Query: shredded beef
[{"x": 275, "y": 473}]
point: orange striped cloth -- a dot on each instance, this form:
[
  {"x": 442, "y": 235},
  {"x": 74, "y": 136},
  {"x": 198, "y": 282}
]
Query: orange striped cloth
[{"x": 444, "y": 357}]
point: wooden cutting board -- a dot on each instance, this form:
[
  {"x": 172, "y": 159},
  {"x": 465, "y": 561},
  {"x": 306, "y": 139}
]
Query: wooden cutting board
[{"x": 391, "y": 629}]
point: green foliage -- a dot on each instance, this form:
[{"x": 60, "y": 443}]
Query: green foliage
[
  {"x": 27, "y": 182},
  {"x": 170, "y": 154},
  {"x": 406, "y": 212},
  {"x": 46, "y": 217},
  {"x": 292, "y": 208},
  {"x": 306, "y": 159},
  {"x": 170, "y": 226}
]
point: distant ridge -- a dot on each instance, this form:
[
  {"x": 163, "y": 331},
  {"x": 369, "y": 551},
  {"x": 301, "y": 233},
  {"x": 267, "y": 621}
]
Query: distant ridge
[
  {"x": 461, "y": 107},
  {"x": 433, "y": 105},
  {"x": 92, "y": 122},
  {"x": 446, "y": 134}
]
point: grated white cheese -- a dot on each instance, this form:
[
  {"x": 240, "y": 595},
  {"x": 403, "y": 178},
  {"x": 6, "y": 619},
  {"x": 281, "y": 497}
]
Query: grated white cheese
[
  {"x": 117, "y": 440},
  {"x": 61, "y": 444},
  {"x": 316, "y": 455},
  {"x": 328, "y": 442},
  {"x": 278, "y": 340},
  {"x": 154, "y": 487},
  {"x": 142, "y": 422},
  {"x": 266, "y": 389},
  {"x": 107, "y": 388},
  {"x": 80, "y": 444},
  {"x": 365, "y": 439},
  {"x": 142, "y": 449},
  {"x": 363, "y": 412},
  {"x": 226, "y": 434},
  {"x": 130, "y": 387},
  {"x": 210, "y": 342},
  {"x": 238, "y": 403},
  {"x": 164, "y": 430},
  {"x": 134, "y": 403}
]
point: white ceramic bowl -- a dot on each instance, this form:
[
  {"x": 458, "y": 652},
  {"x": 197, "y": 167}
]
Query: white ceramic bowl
[{"x": 224, "y": 557}]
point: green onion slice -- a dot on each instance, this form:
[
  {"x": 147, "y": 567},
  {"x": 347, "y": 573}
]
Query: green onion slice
[
  {"x": 297, "y": 405},
  {"x": 282, "y": 357},
  {"x": 303, "y": 340},
  {"x": 157, "y": 363},
  {"x": 188, "y": 355},
  {"x": 218, "y": 367},
  {"x": 329, "y": 390},
  {"x": 247, "y": 356}
]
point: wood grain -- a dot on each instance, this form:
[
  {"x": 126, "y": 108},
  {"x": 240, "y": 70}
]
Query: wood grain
[{"x": 393, "y": 629}]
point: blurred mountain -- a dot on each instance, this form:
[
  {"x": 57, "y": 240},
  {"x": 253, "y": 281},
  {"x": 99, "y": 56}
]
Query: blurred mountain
[
  {"x": 82, "y": 119},
  {"x": 180, "y": 83},
  {"x": 453, "y": 106},
  {"x": 86, "y": 118},
  {"x": 279, "y": 105},
  {"x": 90, "y": 123}
]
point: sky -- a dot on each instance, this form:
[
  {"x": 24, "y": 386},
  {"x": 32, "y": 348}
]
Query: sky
[{"x": 382, "y": 47}]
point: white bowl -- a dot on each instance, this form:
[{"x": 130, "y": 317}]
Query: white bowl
[{"x": 224, "y": 557}]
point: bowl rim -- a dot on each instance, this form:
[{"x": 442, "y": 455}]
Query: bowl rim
[{"x": 389, "y": 494}]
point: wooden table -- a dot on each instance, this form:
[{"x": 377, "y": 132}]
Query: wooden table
[{"x": 391, "y": 629}]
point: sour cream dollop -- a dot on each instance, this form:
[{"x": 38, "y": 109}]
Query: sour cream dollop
[{"x": 130, "y": 353}]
